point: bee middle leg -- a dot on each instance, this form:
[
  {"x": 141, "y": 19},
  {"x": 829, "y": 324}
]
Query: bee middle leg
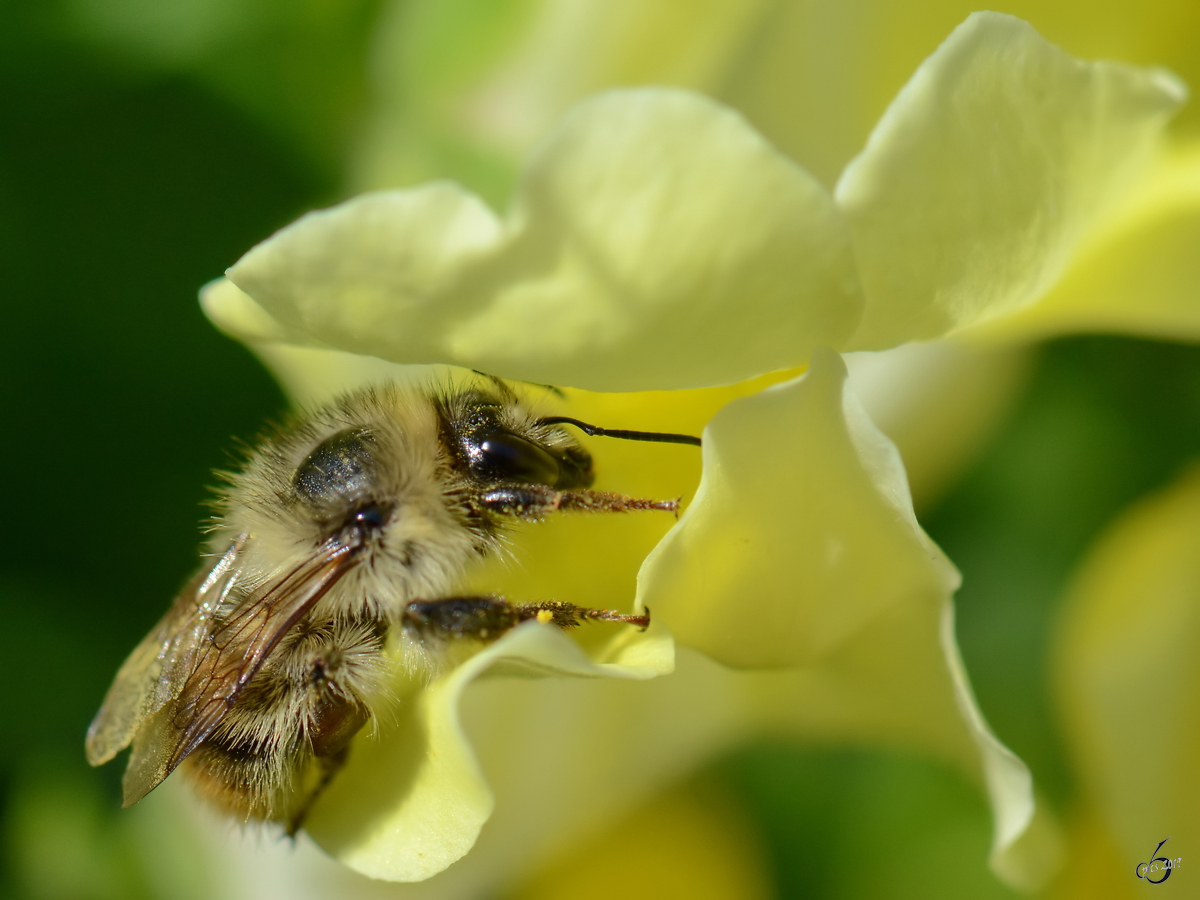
[
  {"x": 487, "y": 618},
  {"x": 568, "y": 615}
]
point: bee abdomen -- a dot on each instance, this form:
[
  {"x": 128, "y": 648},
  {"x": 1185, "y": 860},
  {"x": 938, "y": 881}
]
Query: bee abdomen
[{"x": 296, "y": 718}]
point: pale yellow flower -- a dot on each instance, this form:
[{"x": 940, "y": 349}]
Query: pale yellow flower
[
  {"x": 466, "y": 91},
  {"x": 656, "y": 242}
]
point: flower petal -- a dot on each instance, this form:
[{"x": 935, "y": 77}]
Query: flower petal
[
  {"x": 1126, "y": 676},
  {"x": 568, "y": 756},
  {"x": 350, "y": 276},
  {"x": 1138, "y": 276},
  {"x": 309, "y": 376},
  {"x": 411, "y": 801},
  {"x": 801, "y": 550},
  {"x": 468, "y": 90},
  {"x": 469, "y": 102},
  {"x": 594, "y": 560},
  {"x": 819, "y": 75},
  {"x": 985, "y": 173},
  {"x": 801, "y": 531},
  {"x": 900, "y": 681},
  {"x": 938, "y": 402},
  {"x": 699, "y": 847},
  {"x": 657, "y": 242},
  {"x": 565, "y": 757}
]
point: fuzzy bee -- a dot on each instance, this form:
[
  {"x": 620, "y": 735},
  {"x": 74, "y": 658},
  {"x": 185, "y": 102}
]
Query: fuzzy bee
[{"x": 334, "y": 558}]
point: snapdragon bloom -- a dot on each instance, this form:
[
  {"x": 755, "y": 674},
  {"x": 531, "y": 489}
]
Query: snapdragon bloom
[{"x": 673, "y": 271}]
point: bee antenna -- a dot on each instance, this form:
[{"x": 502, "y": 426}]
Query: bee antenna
[{"x": 657, "y": 437}]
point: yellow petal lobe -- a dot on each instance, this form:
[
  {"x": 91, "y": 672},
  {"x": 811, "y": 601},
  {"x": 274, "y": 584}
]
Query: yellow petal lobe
[
  {"x": 656, "y": 242},
  {"x": 987, "y": 171}
]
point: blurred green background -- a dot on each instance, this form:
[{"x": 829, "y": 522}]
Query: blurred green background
[{"x": 135, "y": 168}]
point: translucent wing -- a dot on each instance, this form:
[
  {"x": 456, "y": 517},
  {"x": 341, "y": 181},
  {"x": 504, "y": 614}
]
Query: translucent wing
[
  {"x": 155, "y": 672},
  {"x": 233, "y": 649}
]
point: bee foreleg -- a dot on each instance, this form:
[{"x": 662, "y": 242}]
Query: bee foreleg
[{"x": 534, "y": 501}]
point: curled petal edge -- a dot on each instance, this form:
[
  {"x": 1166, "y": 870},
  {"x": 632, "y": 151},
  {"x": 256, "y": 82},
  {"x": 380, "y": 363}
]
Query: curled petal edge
[
  {"x": 412, "y": 799},
  {"x": 818, "y": 617}
]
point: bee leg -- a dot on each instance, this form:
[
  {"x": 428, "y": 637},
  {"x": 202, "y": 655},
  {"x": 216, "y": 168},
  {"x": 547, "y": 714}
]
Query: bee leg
[
  {"x": 336, "y": 721},
  {"x": 329, "y": 767},
  {"x": 568, "y": 615},
  {"x": 481, "y": 618},
  {"x": 534, "y": 501},
  {"x": 487, "y": 618}
]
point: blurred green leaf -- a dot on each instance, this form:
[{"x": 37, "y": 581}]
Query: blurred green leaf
[{"x": 297, "y": 66}]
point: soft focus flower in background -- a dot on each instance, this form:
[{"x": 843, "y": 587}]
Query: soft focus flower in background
[
  {"x": 1126, "y": 685},
  {"x": 484, "y": 116}
]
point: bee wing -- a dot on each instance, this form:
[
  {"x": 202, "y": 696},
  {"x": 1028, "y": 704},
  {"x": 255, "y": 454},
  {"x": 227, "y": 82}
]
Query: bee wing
[
  {"x": 154, "y": 673},
  {"x": 233, "y": 651}
]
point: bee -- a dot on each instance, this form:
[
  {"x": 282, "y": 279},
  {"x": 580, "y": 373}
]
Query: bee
[{"x": 334, "y": 558}]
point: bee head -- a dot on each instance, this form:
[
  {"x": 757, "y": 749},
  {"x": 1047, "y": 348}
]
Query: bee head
[{"x": 500, "y": 445}]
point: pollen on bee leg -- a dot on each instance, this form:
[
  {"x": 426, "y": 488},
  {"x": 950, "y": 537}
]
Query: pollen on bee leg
[
  {"x": 610, "y": 615},
  {"x": 602, "y": 501},
  {"x": 533, "y": 501},
  {"x": 568, "y": 615}
]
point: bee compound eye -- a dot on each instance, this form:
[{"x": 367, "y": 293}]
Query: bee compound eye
[
  {"x": 504, "y": 456},
  {"x": 341, "y": 466}
]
